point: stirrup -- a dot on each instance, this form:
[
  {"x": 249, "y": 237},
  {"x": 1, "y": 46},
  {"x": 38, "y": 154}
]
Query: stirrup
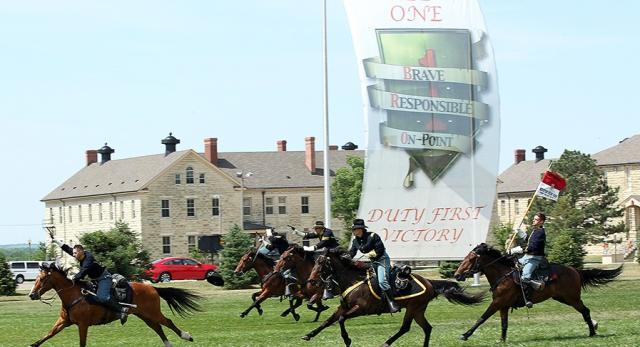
[
  {"x": 327, "y": 294},
  {"x": 124, "y": 315}
]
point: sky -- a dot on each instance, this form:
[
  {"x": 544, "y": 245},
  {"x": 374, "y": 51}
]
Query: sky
[{"x": 77, "y": 74}]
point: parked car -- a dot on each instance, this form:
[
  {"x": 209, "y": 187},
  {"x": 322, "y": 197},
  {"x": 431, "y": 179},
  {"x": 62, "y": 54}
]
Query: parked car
[
  {"x": 24, "y": 270},
  {"x": 179, "y": 268}
]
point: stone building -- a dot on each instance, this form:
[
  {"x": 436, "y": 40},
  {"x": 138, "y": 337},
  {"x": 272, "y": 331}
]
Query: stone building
[
  {"x": 621, "y": 167},
  {"x": 172, "y": 199}
]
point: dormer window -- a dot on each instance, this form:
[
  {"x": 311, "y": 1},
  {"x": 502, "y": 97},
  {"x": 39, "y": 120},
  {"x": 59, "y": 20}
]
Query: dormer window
[{"x": 189, "y": 175}]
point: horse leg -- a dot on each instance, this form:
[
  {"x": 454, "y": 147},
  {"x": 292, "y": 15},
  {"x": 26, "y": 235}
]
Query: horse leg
[
  {"x": 488, "y": 313},
  {"x": 421, "y": 320},
  {"x": 169, "y": 324},
  {"x": 253, "y": 297},
  {"x": 256, "y": 303},
  {"x": 406, "y": 325},
  {"x": 343, "y": 331},
  {"x": 83, "y": 328},
  {"x": 586, "y": 315},
  {"x": 292, "y": 308},
  {"x": 158, "y": 329},
  {"x": 504, "y": 320},
  {"x": 60, "y": 324},
  {"x": 334, "y": 317}
]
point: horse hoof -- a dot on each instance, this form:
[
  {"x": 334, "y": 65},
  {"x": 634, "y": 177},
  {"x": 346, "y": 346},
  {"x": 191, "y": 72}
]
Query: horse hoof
[
  {"x": 260, "y": 312},
  {"x": 347, "y": 342},
  {"x": 296, "y": 317},
  {"x": 306, "y": 337},
  {"x": 284, "y": 314},
  {"x": 464, "y": 337},
  {"x": 384, "y": 345},
  {"x": 242, "y": 315},
  {"x": 595, "y": 324}
]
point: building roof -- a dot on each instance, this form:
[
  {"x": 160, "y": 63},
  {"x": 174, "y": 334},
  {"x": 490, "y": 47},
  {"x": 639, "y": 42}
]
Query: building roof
[
  {"x": 270, "y": 170},
  {"x": 625, "y": 152},
  {"x": 522, "y": 177}
]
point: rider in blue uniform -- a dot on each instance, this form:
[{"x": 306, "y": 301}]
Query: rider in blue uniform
[
  {"x": 533, "y": 253},
  {"x": 327, "y": 239},
  {"x": 90, "y": 268},
  {"x": 370, "y": 243}
]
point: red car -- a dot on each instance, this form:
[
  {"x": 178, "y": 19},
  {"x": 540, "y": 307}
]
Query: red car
[{"x": 178, "y": 268}]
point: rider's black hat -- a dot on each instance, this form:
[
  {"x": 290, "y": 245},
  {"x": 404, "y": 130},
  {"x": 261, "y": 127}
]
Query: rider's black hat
[
  {"x": 358, "y": 224},
  {"x": 318, "y": 224}
]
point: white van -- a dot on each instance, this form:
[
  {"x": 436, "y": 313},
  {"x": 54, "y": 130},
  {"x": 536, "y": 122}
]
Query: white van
[{"x": 25, "y": 270}]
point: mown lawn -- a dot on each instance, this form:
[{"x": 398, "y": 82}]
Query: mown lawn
[{"x": 616, "y": 308}]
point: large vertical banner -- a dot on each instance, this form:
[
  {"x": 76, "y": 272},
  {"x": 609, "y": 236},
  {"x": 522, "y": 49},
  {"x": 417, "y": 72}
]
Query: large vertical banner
[{"x": 432, "y": 113}]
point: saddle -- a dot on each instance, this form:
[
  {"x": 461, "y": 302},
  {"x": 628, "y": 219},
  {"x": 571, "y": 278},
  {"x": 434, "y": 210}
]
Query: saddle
[
  {"x": 543, "y": 273},
  {"x": 121, "y": 290}
]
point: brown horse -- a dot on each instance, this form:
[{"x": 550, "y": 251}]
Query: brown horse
[
  {"x": 499, "y": 270},
  {"x": 273, "y": 285},
  {"x": 76, "y": 310},
  {"x": 295, "y": 258},
  {"x": 359, "y": 300}
]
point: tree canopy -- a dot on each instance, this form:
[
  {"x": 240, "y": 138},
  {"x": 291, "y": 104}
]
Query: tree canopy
[
  {"x": 236, "y": 244},
  {"x": 346, "y": 190}
]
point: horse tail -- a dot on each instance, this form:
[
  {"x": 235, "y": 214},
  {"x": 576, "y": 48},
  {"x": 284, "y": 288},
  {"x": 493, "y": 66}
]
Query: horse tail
[
  {"x": 182, "y": 302},
  {"x": 596, "y": 277},
  {"x": 456, "y": 294}
]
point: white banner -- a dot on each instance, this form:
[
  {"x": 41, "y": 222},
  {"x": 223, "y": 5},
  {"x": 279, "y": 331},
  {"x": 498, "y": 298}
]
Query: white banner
[
  {"x": 548, "y": 192},
  {"x": 429, "y": 86}
]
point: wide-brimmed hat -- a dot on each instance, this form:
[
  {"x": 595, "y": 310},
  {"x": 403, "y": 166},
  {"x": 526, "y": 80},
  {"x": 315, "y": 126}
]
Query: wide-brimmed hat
[
  {"x": 358, "y": 224},
  {"x": 319, "y": 224}
]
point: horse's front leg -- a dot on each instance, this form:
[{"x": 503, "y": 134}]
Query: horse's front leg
[
  {"x": 83, "y": 328},
  {"x": 334, "y": 317},
  {"x": 504, "y": 320},
  {"x": 262, "y": 297},
  {"x": 60, "y": 324},
  {"x": 293, "y": 304},
  {"x": 343, "y": 328},
  {"x": 493, "y": 307},
  {"x": 253, "y": 298}
]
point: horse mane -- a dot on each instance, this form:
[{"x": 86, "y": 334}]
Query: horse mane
[
  {"x": 484, "y": 249},
  {"x": 266, "y": 259},
  {"x": 56, "y": 268},
  {"x": 358, "y": 266},
  {"x": 301, "y": 252}
]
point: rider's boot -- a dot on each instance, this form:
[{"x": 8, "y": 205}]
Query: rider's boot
[
  {"x": 393, "y": 306},
  {"x": 527, "y": 292},
  {"x": 287, "y": 290},
  {"x": 327, "y": 294},
  {"x": 122, "y": 311}
]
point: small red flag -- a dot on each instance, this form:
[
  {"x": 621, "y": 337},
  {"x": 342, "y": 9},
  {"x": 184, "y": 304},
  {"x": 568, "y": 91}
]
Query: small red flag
[{"x": 555, "y": 180}]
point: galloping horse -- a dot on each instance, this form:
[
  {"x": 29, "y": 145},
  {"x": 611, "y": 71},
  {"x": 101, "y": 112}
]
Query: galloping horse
[
  {"x": 359, "y": 300},
  {"x": 500, "y": 269},
  {"x": 296, "y": 258},
  {"x": 273, "y": 285},
  {"x": 76, "y": 310}
]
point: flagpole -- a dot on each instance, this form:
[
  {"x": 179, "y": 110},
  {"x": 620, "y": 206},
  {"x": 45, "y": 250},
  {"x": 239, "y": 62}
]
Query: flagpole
[
  {"x": 327, "y": 170},
  {"x": 524, "y": 216}
]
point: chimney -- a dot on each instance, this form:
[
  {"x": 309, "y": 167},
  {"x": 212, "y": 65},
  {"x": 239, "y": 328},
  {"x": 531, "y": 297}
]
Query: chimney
[
  {"x": 310, "y": 153},
  {"x": 105, "y": 153},
  {"x": 349, "y": 146},
  {"x": 211, "y": 150},
  {"x": 170, "y": 143},
  {"x": 92, "y": 156},
  {"x": 520, "y": 155},
  {"x": 539, "y": 151},
  {"x": 282, "y": 145},
  {"x": 333, "y": 147}
]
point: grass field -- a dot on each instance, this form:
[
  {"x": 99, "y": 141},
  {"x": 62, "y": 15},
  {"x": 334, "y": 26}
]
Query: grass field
[{"x": 616, "y": 307}]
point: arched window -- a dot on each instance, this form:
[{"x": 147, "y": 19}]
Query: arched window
[{"x": 189, "y": 175}]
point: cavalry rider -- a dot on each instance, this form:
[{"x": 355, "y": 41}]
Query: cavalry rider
[
  {"x": 370, "y": 243},
  {"x": 533, "y": 253},
  {"x": 327, "y": 239},
  {"x": 90, "y": 268},
  {"x": 274, "y": 245}
]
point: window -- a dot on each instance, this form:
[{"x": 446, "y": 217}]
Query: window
[
  {"x": 191, "y": 208},
  {"x": 201, "y": 178},
  {"x": 246, "y": 206},
  {"x": 33, "y": 265},
  {"x": 191, "y": 243},
  {"x": 282, "y": 205},
  {"x": 133, "y": 209},
  {"x": 189, "y": 262},
  {"x": 304, "y": 204},
  {"x": 70, "y": 215},
  {"x": 503, "y": 206},
  {"x": 215, "y": 206},
  {"x": 111, "y": 210},
  {"x": 627, "y": 173},
  {"x": 100, "y": 211},
  {"x": 165, "y": 208},
  {"x": 516, "y": 206},
  {"x": 166, "y": 244},
  {"x": 178, "y": 179},
  {"x": 121, "y": 210},
  {"x": 60, "y": 213},
  {"x": 189, "y": 175},
  {"x": 80, "y": 213},
  {"x": 50, "y": 216},
  {"x": 17, "y": 265},
  {"x": 268, "y": 205},
  {"x": 90, "y": 212}
]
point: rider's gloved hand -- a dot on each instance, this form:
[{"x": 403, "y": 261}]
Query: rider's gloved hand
[
  {"x": 516, "y": 250},
  {"x": 372, "y": 254},
  {"x": 57, "y": 242},
  {"x": 309, "y": 248}
]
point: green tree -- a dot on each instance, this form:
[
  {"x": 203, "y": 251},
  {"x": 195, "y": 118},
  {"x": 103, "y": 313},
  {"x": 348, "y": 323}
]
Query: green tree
[
  {"x": 448, "y": 268},
  {"x": 7, "y": 282},
  {"x": 345, "y": 193},
  {"x": 119, "y": 249},
  {"x": 500, "y": 234},
  {"x": 584, "y": 211},
  {"x": 236, "y": 244}
]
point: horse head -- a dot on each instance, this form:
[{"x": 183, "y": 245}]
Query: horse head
[
  {"x": 246, "y": 262},
  {"x": 49, "y": 278},
  {"x": 287, "y": 259},
  {"x": 321, "y": 270},
  {"x": 481, "y": 256}
]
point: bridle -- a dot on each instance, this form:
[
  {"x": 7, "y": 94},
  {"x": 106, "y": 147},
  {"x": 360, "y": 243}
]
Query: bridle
[
  {"x": 477, "y": 267},
  {"x": 51, "y": 299}
]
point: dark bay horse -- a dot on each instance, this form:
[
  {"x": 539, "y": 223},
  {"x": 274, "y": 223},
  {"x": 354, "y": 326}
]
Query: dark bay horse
[
  {"x": 273, "y": 285},
  {"x": 499, "y": 268},
  {"x": 76, "y": 310},
  {"x": 302, "y": 262},
  {"x": 358, "y": 300}
]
